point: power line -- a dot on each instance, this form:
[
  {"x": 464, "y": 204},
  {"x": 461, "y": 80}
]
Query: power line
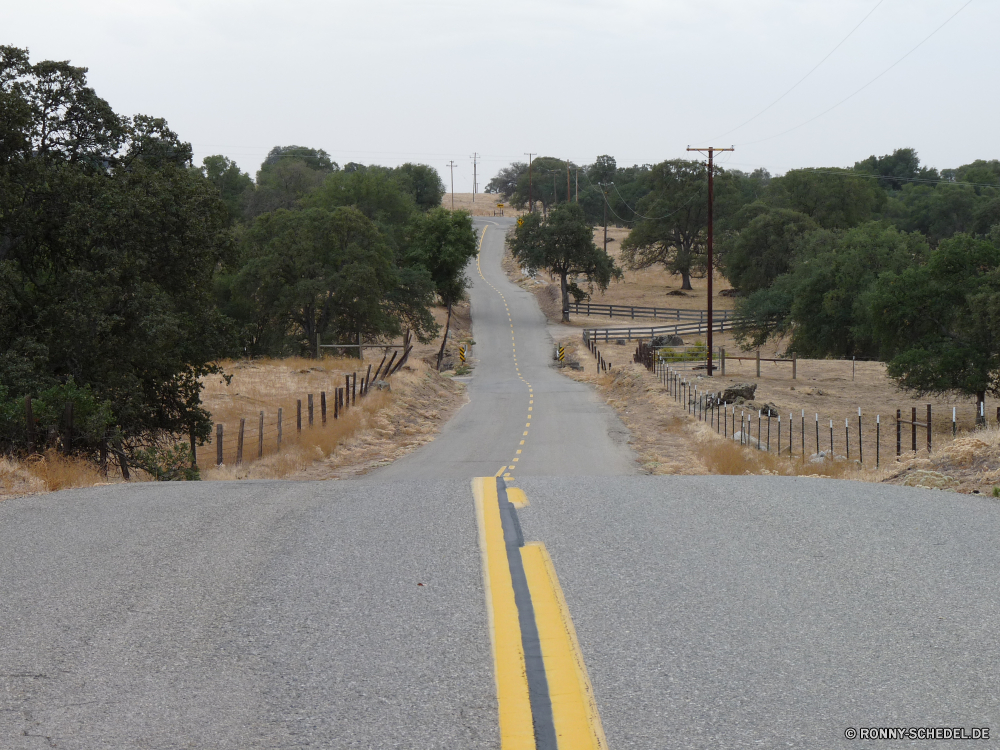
[
  {"x": 812, "y": 70},
  {"x": 852, "y": 95}
]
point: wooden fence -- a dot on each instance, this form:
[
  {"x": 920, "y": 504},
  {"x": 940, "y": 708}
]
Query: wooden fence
[
  {"x": 636, "y": 311},
  {"x": 641, "y": 333}
]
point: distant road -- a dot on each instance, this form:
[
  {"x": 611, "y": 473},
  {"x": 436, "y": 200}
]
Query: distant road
[{"x": 709, "y": 612}]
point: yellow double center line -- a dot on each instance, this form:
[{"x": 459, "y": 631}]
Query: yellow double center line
[{"x": 571, "y": 719}]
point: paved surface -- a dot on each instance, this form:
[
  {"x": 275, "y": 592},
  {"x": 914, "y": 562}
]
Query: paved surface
[
  {"x": 571, "y": 431},
  {"x": 725, "y": 612}
]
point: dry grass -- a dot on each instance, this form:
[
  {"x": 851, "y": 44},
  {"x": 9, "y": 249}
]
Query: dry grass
[
  {"x": 364, "y": 435},
  {"x": 669, "y": 441},
  {"x": 374, "y": 431},
  {"x": 483, "y": 205},
  {"x": 46, "y": 473}
]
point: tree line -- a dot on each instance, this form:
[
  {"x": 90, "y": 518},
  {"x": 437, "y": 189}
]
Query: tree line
[
  {"x": 887, "y": 259},
  {"x": 127, "y": 272}
]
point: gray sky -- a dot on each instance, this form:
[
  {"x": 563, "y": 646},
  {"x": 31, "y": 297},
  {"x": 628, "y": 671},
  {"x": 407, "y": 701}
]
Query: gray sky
[{"x": 387, "y": 81}]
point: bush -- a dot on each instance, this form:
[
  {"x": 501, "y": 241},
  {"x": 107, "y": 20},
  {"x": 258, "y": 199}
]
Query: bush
[
  {"x": 92, "y": 418},
  {"x": 697, "y": 351},
  {"x": 167, "y": 464}
]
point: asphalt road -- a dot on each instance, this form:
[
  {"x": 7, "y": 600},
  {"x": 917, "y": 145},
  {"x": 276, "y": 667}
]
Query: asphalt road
[{"x": 726, "y": 612}]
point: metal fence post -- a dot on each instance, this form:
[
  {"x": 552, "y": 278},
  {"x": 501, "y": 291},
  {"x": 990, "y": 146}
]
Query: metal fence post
[{"x": 218, "y": 444}]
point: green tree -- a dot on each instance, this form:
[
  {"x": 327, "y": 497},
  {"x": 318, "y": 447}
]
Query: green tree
[
  {"x": 423, "y": 183},
  {"x": 833, "y": 198},
  {"x": 108, "y": 243},
  {"x": 505, "y": 181},
  {"x": 562, "y": 244},
  {"x": 676, "y": 211},
  {"x": 331, "y": 273},
  {"x": 763, "y": 250},
  {"x": 817, "y": 302},
  {"x": 231, "y": 183},
  {"x": 938, "y": 323},
  {"x": 376, "y": 193},
  {"x": 444, "y": 242}
]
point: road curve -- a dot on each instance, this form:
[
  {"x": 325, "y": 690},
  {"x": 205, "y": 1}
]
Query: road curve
[{"x": 725, "y": 612}]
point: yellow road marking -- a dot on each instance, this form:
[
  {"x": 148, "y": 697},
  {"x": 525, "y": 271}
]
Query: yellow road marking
[
  {"x": 516, "y": 730},
  {"x": 502, "y": 468},
  {"x": 519, "y": 450},
  {"x": 529, "y": 408},
  {"x": 574, "y": 709},
  {"x": 515, "y": 459},
  {"x": 517, "y": 497},
  {"x": 522, "y": 440},
  {"x": 528, "y": 424},
  {"x": 522, "y": 443}
]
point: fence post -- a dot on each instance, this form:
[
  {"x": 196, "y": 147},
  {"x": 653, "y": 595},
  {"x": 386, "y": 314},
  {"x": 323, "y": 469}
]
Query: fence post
[
  {"x": 194, "y": 453},
  {"x": 260, "y": 437},
  {"x": 795, "y": 361},
  {"x": 878, "y": 438},
  {"x": 239, "y": 442},
  {"x": 336, "y": 403},
  {"x": 758, "y": 363},
  {"x": 318, "y": 350},
  {"x": 347, "y": 392},
  {"x": 218, "y": 444},
  {"x": 29, "y": 418},
  {"x": 309, "y": 406},
  {"x": 354, "y": 389},
  {"x": 861, "y": 447},
  {"x": 280, "y": 410},
  {"x": 899, "y": 434},
  {"x": 722, "y": 359},
  {"x": 123, "y": 461},
  {"x": 954, "y": 424},
  {"x": 817, "y": 434},
  {"x": 322, "y": 407},
  {"x": 913, "y": 428},
  {"x": 298, "y": 415},
  {"x": 928, "y": 429}
]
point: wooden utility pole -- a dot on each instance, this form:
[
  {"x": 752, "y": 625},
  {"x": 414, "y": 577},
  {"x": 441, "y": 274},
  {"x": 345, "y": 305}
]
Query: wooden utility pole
[
  {"x": 474, "y": 157},
  {"x": 451, "y": 164},
  {"x": 569, "y": 193},
  {"x": 605, "y": 191},
  {"x": 531, "y": 203},
  {"x": 577, "y": 184},
  {"x": 711, "y": 152}
]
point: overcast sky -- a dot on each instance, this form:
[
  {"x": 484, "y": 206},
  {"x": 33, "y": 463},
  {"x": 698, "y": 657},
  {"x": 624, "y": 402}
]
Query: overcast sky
[{"x": 387, "y": 81}]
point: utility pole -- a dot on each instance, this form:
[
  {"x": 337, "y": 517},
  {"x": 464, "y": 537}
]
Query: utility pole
[
  {"x": 451, "y": 164},
  {"x": 711, "y": 152},
  {"x": 474, "y": 156},
  {"x": 605, "y": 191},
  {"x": 569, "y": 193},
  {"x": 531, "y": 203},
  {"x": 577, "y": 184}
]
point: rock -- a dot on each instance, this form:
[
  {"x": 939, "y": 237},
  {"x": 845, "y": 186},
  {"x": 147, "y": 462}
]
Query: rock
[
  {"x": 766, "y": 410},
  {"x": 381, "y": 385},
  {"x": 738, "y": 393},
  {"x": 660, "y": 341},
  {"x": 932, "y": 480}
]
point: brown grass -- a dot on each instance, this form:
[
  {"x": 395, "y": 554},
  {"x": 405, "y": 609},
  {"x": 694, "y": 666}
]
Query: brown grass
[
  {"x": 669, "y": 441},
  {"x": 364, "y": 435},
  {"x": 46, "y": 473}
]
